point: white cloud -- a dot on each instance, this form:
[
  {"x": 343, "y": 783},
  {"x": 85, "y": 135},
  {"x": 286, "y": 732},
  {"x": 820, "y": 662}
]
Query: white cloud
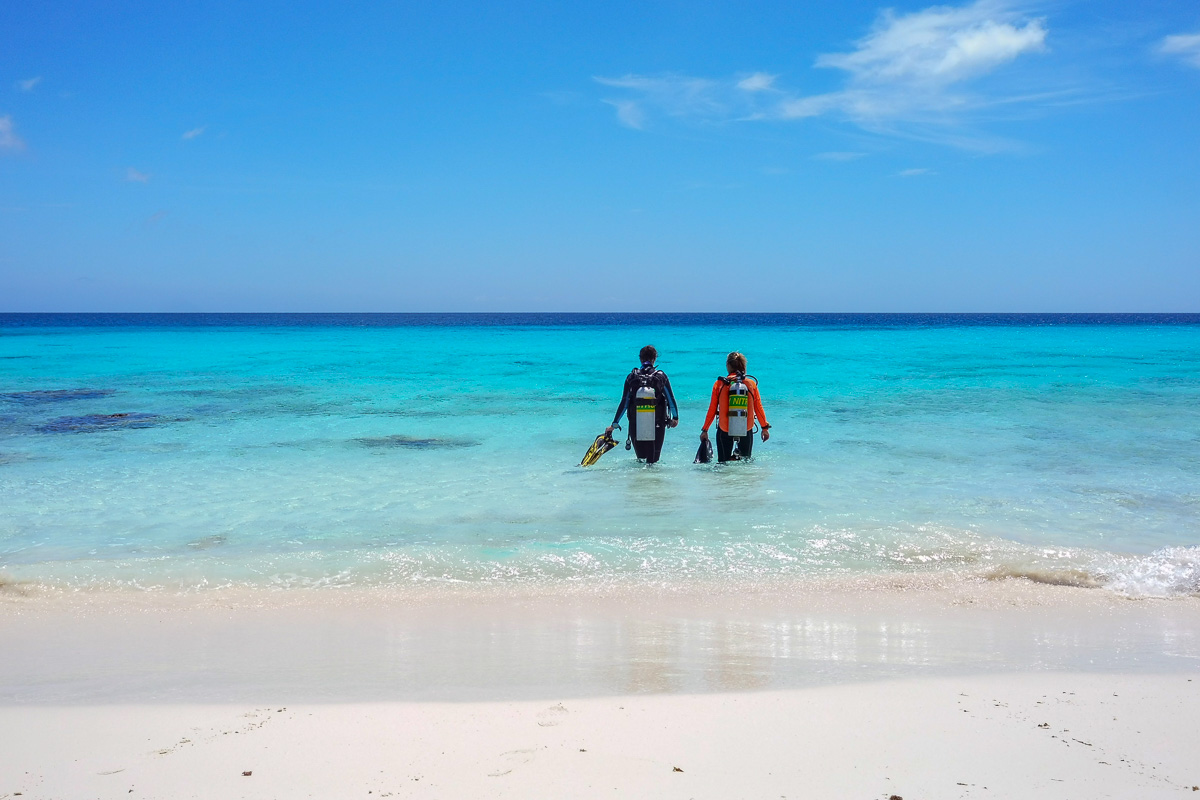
[
  {"x": 909, "y": 66},
  {"x": 910, "y": 71},
  {"x": 939, "y": 46},
  {"x": 676, "y": 95},
  {"x": 680, "y": 97},
  {"x": 629, "y": 113},
  {"x": 912, "y": 173},
  {"x": 194, "y": 132},
  {"x": 134, "y": 176},
  {"x": 1186, "y": 46},
  {"x": 8, "y": 136},
  {"x": 838, "y": 156},
  {"x": 758, "y": 82},
  {"x": 29, "y": 84}
]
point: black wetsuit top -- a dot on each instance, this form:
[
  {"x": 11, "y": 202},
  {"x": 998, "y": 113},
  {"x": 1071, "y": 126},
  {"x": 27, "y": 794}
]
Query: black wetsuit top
[{"x": 665, "y": 399}]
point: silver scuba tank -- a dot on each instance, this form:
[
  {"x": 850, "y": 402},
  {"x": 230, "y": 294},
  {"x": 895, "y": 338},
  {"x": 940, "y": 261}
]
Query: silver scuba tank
[
  {"x": 739, "y": 407},
  {"x": 645, "y": 405}
]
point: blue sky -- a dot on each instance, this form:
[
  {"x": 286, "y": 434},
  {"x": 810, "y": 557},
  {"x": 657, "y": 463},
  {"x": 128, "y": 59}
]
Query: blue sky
[{"x": 433, "y": 156}]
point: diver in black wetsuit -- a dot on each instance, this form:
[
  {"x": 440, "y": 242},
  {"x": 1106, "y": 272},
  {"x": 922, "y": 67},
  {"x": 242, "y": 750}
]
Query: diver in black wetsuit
[{"x": 666, "y": 412}]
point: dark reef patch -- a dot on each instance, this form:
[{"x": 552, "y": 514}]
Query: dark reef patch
[
  {"x": 415, "y": 442},
  {"x": 55, "y": 395},
  {"x": 91, "y": 423}
]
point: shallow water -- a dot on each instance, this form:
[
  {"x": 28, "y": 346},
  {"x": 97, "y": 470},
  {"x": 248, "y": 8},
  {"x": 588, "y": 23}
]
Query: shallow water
[{"x": 199, "y": 451}]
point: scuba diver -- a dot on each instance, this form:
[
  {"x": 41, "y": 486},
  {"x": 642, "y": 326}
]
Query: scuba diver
[
  {"x": 649, "y": 404},
  {"x": 736, "y": 396}
]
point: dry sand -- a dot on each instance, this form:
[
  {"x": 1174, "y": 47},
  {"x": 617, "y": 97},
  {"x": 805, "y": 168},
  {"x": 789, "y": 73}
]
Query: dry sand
[{"x": 1047, "y": 735}]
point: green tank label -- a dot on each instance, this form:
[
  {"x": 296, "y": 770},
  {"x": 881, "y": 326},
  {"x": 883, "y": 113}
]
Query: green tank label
[
  {"x": 739, "y": 401},
  {"x": 644, "y": 405}
]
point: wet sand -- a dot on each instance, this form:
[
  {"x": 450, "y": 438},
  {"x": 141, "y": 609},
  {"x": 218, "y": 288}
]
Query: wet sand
[
  {"x": 856, "y": 688},
  {"x": 458, "y": 644}
]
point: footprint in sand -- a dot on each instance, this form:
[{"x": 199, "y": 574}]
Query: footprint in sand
[
  {"x": 552, "y": 715},
  {"x": 510, "y": 761}
]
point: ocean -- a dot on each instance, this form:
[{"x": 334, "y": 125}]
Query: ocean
[{"x": 186, "y": 452}]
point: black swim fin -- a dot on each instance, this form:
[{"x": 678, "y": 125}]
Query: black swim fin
[{"x": 705, "y": 453}]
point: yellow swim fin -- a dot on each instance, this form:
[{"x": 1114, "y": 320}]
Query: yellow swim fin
[{"x": 604, "y": 442}]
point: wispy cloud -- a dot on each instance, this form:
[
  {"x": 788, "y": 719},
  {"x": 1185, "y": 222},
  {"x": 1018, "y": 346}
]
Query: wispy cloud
[
  {"x": 135, "y": 176},
  {"x": 629, "y": 113},
  {"x": 674, "y": 95},
  {"x": 758, "y": 82},
  {"x": 910, "y": 71},
  {"x": 914, "y": 172},
  {"x": 29, "y": 84},
  {"x": 939, "y": 46},
  {"x": 194, "y": 132},
  {"x": 9, "y": 141},
  {"x": 913, "y": 65},
  {"x": 1185, "y": 45}
]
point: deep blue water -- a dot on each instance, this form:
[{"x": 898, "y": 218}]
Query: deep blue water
[{"x": 13, "y": 321}]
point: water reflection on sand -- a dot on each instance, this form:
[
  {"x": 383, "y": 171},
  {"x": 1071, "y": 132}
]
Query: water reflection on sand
[{"x": 312, "y": 646}]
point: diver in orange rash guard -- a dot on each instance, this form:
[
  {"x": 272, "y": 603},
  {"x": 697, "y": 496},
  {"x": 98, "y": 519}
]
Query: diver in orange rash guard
[{"x": 735, "y": 365}]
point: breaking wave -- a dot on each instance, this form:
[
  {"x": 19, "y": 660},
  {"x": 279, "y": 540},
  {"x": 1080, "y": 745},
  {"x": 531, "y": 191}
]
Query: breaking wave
[{"x": 1167, "y": 572}]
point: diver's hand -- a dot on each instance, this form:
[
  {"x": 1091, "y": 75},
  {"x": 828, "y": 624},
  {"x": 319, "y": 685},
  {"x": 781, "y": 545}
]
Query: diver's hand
[
  {"x": 672, "y": 423},
  {"x": 608, "y": 431},
  {"x": 766, "y": 434},
  {"x": 704, "y": 435}
]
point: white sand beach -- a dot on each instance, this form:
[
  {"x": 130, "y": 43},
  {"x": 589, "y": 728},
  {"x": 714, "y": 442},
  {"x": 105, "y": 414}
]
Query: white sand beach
[
  {"x": 1044, "y": 735},
  {"x": 859, "y": 689}
]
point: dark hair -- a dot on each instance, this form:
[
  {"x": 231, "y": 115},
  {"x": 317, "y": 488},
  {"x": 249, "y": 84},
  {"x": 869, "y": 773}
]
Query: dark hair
[
  {"x": 736, "y": 362},
  {"x": 648, "y": 355}
]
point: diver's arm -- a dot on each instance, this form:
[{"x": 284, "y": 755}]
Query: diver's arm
[
  {"x": 758, "y": 410},
  {"x": 672, "y": 408},
  {"x": 712, "y": 410}
]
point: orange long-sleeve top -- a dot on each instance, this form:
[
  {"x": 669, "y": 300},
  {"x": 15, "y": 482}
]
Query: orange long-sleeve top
[{"x": 720, "y": 400}]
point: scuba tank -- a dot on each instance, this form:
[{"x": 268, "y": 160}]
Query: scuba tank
[
  {"x": 645, "y": 405},
  {"x": 739, "y": 407}
]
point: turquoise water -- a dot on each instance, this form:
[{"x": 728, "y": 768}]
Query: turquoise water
[{"x": 362, "y": 451}]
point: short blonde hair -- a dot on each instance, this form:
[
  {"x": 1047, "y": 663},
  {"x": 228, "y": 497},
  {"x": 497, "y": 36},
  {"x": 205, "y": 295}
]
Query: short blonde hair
[{"x": 735, "y": 362}]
